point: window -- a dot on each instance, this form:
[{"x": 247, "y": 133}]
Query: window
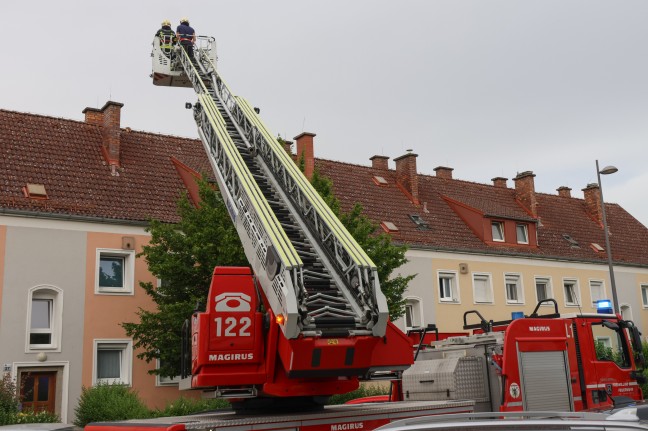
[
  {"x": 44, "y": 318},
  {"x": 166, "y": 381},
  {"x": 413, "y": 313},
  {"x": 448, "y": 290},
  {"x": 610, "y": 345},
  {"x": 543, "y": 288},
  {"x": 644, "y": 295},
  {"x": 498, "y": 231},
  {"x": 115, "y": 271},
  {"x": 572, "y": 298},
  {"x": 113, "y": 361},
  {"x": 420, "y": 223},
  {"x": 513, "y": 285},
  {"x": 522, "y": 233},
  {"x": 482, "y": 288},
  {"x": 597, "y": 290}
]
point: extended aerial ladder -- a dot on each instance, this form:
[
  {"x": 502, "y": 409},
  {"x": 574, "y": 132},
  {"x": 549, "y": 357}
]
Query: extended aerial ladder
[{"x": 318, "y": 286}]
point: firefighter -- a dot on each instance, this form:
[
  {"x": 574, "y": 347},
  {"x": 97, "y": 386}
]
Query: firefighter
[
  {"x": 167, "y": 37},
  {"x": 186, "y": 35}
]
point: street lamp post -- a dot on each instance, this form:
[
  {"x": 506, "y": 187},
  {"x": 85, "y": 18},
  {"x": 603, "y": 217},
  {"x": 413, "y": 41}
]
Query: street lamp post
[{"x": 607, "y": 171}]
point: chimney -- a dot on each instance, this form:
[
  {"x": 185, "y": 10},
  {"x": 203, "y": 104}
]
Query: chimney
[
  {"x": 288, "y": 147},
  {"x": 525, "y": 191},
  {"x": 379, "y": 162},
  {"x": 499, "y": 182},
  {"x": 108, "y": 120},
  {"x": 564, "y": 191},
  {"x": 305, "y": 150},
  {"x": 593, "y": 202},
  {"x": 406, "y": 175},
  {"x": 444, "y": 172}
]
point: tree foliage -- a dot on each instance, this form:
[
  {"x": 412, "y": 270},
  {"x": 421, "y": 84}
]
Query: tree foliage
[{"x": 183, "y": 257}]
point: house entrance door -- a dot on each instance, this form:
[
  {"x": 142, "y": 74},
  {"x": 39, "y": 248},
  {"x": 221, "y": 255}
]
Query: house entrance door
[{"x": 38, "y": 391}]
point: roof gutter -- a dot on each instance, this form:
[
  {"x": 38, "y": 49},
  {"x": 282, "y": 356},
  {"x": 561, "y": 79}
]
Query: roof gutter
[
  {"x": 521, "y": 256},
  {"x": 55, "y": 216}
]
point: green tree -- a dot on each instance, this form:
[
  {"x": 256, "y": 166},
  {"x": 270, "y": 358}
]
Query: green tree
[
  {"x": 379, "y": 247},
  {"x": 183, "y": 257}
]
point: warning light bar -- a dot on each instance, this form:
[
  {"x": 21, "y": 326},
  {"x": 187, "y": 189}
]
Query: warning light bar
[{"x": 604, "y": 306}]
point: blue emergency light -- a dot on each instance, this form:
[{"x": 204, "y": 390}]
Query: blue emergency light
[{"x": 604, "y": 306}]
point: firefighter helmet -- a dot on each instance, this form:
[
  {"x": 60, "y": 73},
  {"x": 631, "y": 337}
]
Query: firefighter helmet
[
  {"x": 166, "y": 22},
  {"x": 184, "y": 20}
]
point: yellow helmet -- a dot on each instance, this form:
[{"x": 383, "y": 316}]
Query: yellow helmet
[
  {"x": 166, "y": 22},
  {"x": 185, "y": 19}
]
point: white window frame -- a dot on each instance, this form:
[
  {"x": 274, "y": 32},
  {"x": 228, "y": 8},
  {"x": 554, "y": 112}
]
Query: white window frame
[
  {"x": 644, "y": 294},
  {"x": 454, "y": 294},
  {"x": 519, "y": 288},
  {"x": 607, "y": 341},
  {"x": 574, "y": 282},
  {"x": 501, "y": 229},
  {"x": 126, "y": 365},
  {"x": 54, "y": 294},
  {"x": 489, "y": 280},
  {"x": 415, "y": 307},
  {"x": 526, "y": 233},
  {"x": 165, "y": 381},
  {"x": 601, "y": 283},
  {"x": 129, "y": 272},
  {"x": 549, "y": 286}
]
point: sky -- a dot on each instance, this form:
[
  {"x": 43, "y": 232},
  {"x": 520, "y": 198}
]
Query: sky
[{"x": 488, "y": 87}]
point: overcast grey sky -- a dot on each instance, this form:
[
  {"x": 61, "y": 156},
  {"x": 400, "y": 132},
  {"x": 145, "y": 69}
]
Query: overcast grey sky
[{"x": 489, "y": 88}]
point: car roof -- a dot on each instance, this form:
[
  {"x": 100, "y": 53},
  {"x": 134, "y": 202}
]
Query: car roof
[{"x": 624, "y": 419}]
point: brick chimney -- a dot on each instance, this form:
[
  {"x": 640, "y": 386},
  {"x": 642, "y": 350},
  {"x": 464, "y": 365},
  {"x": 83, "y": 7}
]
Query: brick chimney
[
  {"x": 593, "y": 202},
  {"x": 499, "y": 182},
  {"x": 379, "y": 162},
  {"x": 406, "y": 176},
  {"x": 108, "y": 119},
  {"x": 564, "y": 191},
  {"x": 305, "y": 149},
  {"x": 287, "y": 145},
  {"x": 444, "y": 172},
  {"x": 525, "y": 191}
]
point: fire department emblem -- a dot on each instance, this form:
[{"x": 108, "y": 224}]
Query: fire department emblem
[
  {"x": 608, "y": 389},
  {"x": 514, "y": 390}
]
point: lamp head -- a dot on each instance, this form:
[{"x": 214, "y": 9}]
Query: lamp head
[{"x": 608, "y": 170}]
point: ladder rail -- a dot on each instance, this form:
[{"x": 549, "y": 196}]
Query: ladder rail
[
  {"x": 260, "y": 231},
  {"x": 346, "y": 254}
]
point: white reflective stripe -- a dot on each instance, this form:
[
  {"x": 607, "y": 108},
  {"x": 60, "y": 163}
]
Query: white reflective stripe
[
  {"x": 515, "y": 404},
  {"x": 578, "y": 398},
  {"x": 614, "y": 385}
]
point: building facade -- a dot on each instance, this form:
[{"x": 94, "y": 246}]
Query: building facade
[{"x": 76, "y": 197}]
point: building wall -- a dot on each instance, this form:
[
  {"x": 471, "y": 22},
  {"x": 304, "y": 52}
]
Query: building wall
[
  {"x": 449, "y": 316},
  {"x": 63, "y": 255},
  {"x": 39, "y": 256}
]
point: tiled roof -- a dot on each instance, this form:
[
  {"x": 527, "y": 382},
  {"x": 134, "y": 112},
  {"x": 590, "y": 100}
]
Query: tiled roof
[
  {"x": 65, "y": 156},
  {"x": 557, "y": 216}
]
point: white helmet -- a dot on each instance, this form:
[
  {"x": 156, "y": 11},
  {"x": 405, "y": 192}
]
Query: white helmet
[{"x": 183, "y": 20}]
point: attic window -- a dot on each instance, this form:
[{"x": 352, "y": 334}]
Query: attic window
[
  {"x": 35, "y": 191},
  {"x": 380, "y": 180},
  {"x": 596, "y": 247},
  {"x": 420, "y": 223},
  {"x": 572, "y": 242},
  {"x": 388, "y": 226}
]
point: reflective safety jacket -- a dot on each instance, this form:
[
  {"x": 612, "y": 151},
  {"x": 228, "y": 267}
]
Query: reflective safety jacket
[{"x": 167, "y": 37}]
